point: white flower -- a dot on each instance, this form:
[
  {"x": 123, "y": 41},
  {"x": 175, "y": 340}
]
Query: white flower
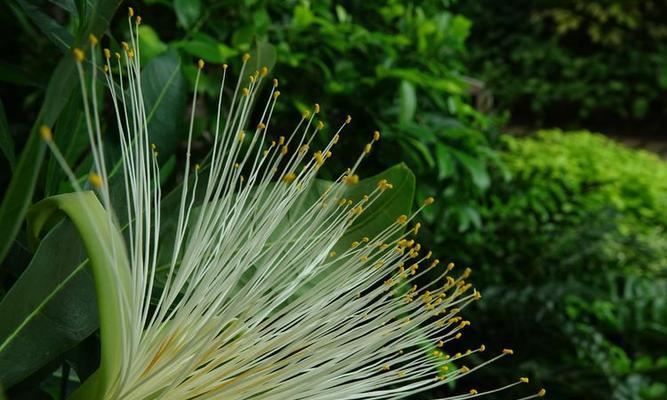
[{"x": 254, "y": 307}]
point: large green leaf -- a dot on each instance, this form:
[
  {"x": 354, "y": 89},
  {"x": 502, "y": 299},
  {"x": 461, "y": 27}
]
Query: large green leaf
[
  {"x": 105, "y": 248},
  {"x": 164, "y": 94},
  {"x": 49, "y": 309},
  {"x": 18, "y": 196}
]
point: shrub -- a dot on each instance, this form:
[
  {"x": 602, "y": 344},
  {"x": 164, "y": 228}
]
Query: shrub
[{"x": 573, "y": 253}]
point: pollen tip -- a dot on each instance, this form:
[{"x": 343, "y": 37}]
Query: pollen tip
[
  {"x": 276, "y": 94},
  {"x": 130, "y": 12},
  {"x": 107, "y": 53},
  {"x": 428, "y": 201},
  {"x": 542, "y": 392},
  {"x": 78, "y": 54},
  {"x": 95, "y": 180},
  {"x": 275, "y": 82},
  {"x": 46, "y": 133},
  {"x": 348, "y": 119},
  {"x": 524, "y": 379},
  {"x": 316, "y": 108},
  {"x": 508, "y": 351},
  {"x": 92, "y": 39},
  {"x": 246, "y": 57},
  {"x": 200, "y": 63},
  {"x": 138, "y": 20},
  {"x": 264, "y": 71},
  {"x": 224, "y": 67},
  {"x": 376, "y": 136}
]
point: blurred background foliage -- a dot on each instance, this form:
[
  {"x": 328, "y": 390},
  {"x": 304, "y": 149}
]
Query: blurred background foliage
[{"x": 565, "y": 230}]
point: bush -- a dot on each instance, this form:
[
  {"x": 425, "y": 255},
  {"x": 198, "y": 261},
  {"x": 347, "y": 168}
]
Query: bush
[
  {"x": 573, "y": 259},
  {"x": 600, "y": 61}
]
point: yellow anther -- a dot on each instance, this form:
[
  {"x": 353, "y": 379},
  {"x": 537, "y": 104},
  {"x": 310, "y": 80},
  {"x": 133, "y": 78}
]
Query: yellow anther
[
  {"x": 200, "y": 63},
  {"x": 327, "y": 154},
  {"x": 389, "y": 282},
  {"x": 357, "y": 210},
  {"x": 458, "y": 335},
  {"x": 348, "y": 119},
  {"x": 276, "y": 94},
  {"x": 542, "y": 392},
  {"x": 523, "y": 379},
  {"x": 465, "y": 369},
  {"x": 246, "y": 57},
  {"x": 476, "y": 295},
  {"x": 275, "y": 82},
  {"x": 252, "y": 78},
  {"x": 335, "y": 139},
  {"x": 138, "y": 20},
  {"x": 305, "y": 114},
  {"x": 354, "y": 244},
  {"x": 383, "y": 185},
  {"x": 376, "y": 136},
  {"x": 105, "y": 68},
  {"x": 289, "y": 177},
  {"x": 264, "y": 71},
  {"x": 46, "y": 133},
  {"x": 316, "y": 108},
  {"x": 125, "y": 46},
  {"x": 130, "y": 53},
  {"x": 319, "y": 159},
  {"x": 415, "y": 230},
  {"x": 385, "y": 367},
  {"x": 482, "y": 348},
  {"x": 107, "y": 53},
  {"x": 95, "y": 180},
  {"x": 351, "y": 179},
  {"x": 363, "y": 258},
  {"x": 281, "y": 140},
  {"x": 117, "y": 56},
  {"x": 92, "y": 39},
  {"x": 440, "y": 343},
  {"x": 78, "y": 54},
  {"x": 197, "y": 167},
  {"x": 303, "y": 149},
  {"x": 368, "y": 148},
  {"x": 402, "y": 219},
  {"x": 473, "y": 391},
  {"x": 241, "y": 136},
  {"x": 224, "y": 67},
  {"x": 450, "y": 266},
  {"x": 429, "y": 201},
  {"x": 320, "y": 124},
  {"x": 284, "y": 150},
  {"x": 508, "y": 351},
  {"x": 245, "y": 92},
  {"x": 401, "y": 374},
  {"x": 261, "y": 126},
  {"x": 236, "y": 165},
  {"x": 130, "y": 12},
  {"x": 332, "y": 253}
]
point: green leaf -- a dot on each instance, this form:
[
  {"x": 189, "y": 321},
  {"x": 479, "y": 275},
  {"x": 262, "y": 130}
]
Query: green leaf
[
  {"x": 407, "y": 96},
  {"x": 49, "y": 27},
  {"x": 208, "y": 49},
  {"x": 262, "y": 55},
  {"x": 444, "y": 160},
  {"x": 476, "y": 168},
  {"x": 150, "y": 44},
  {"x": 18, "y": 196},
  {"x": 6, "y": 141},
  {"x": 104, "y": 245},
  {"x": 187, "y": 11},
  {"x": 164, "y": 92},
  {"x": 42, "y": 318}
]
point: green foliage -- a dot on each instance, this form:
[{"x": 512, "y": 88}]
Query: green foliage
[
  {"x": 601, "y": 61},
  {"x": 573, "y": 255}
]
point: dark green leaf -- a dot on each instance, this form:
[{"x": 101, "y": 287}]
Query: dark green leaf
[
  {"x": 164, "y": 95},
  {"x": 49, "y": 309},
  {"x": 6, "y": 141},
  {"x": 407, "y": 102},
  {"x": 187, "y": 11}
]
